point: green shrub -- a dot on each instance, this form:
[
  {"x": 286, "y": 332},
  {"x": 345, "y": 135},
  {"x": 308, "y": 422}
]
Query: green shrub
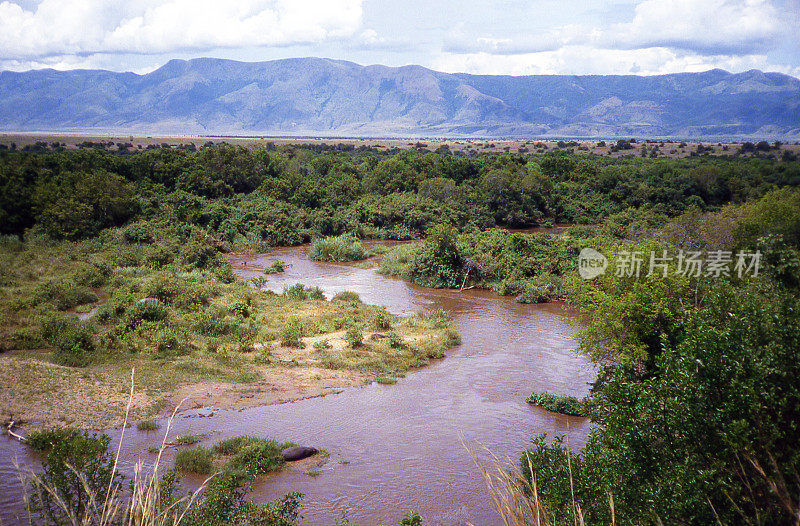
[
  {"x": 347, "y": 296},
  {"x": 277, "y": 266},
  {"x": 64, "y": 294},
  {"x": 256, "y": 456},
  {"x": 567, "y": 405},
  {"x": 382, "y": 320},
  {"x": 163, "y": 286},
  {"x": 147, "y": 425},
  {"x": 73, "y": 340},
  {"x": 145, "y": 311},
  {"x": 297, "y": 291},
  {"x": 76, "y": 467},
  {"x": 291, "y": 334},
  {"x": 195, "y": 460},
  {"x": 240, "y": 308},
  {"x": 93, "y": 276},
  {"x": 315, "y": 293},
  {"x": 345, "y": 247},
  {"x": 27, "y": 338},
  {"x": 354, "y": 337}
]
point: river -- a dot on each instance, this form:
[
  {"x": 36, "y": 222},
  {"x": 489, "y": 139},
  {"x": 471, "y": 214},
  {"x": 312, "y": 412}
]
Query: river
[{"x": 399, "y": 447}]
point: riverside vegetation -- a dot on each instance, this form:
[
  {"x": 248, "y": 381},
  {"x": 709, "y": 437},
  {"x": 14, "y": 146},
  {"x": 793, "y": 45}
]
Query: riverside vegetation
[{"x": 697, "y": 400}]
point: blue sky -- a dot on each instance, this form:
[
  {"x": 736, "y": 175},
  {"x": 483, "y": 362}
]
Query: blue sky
[{"x": 502, "y": 37}]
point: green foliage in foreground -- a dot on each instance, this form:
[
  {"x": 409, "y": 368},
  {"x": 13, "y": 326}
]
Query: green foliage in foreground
[
  {"x": 567, "y": 405},
  {"x": 77, "y": 470},
  {"x": 715, "y": 422},
  {"x": 345, "y": 247}
]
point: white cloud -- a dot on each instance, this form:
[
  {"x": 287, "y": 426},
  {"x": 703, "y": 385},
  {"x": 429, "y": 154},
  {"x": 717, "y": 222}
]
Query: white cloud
[
  {"x": 56, "y": 27},
  {"x": 708, "y": 26},
  {"x": 587, "y": 60}
]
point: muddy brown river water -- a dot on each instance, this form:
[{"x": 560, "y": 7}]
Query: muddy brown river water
[{"x": 397, "y": 447}]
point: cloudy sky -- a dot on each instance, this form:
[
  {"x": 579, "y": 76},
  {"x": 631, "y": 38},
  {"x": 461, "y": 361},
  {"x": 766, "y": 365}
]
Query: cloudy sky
[{"x": 497, "y": 37}]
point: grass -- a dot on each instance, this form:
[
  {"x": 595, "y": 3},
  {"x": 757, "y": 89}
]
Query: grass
[
  {"x": 188, "y": 440},
  {"x": 147, "y": 425},
  {"x": 195, "y": 460},
  {"x": 345, "y": 247},
  {"x": 567, "y": 405},
  {"x": 385, "y": 380}
]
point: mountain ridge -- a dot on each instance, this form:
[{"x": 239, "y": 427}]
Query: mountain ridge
[{"x": 319, "y": 96}]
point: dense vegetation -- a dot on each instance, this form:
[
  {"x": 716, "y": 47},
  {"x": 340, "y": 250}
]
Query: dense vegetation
[
  {"x": 267, "y": 197},
  {"x": 697, "y": 404}
]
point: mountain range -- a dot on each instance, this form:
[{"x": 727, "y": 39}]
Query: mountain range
[{"x": 323, "y": 97}]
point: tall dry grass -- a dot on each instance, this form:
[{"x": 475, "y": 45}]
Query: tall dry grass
[{"x": 144, "y": 506}]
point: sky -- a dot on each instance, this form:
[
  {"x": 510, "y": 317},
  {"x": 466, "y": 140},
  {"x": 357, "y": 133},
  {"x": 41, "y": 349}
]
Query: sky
[{"x": 508, "y": 37}]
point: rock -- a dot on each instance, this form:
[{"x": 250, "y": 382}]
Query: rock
[{"x": 297, "y": 452}]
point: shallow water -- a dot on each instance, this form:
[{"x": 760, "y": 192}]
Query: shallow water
[{"x": 402, "y": 441}]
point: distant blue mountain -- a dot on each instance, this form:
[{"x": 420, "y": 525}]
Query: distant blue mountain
[{"x": 313, "y": 96}]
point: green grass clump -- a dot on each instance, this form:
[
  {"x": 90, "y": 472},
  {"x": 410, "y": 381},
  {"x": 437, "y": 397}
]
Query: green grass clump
[
  {"x": 385, "y": 380},
  {"x": 345, "y": 247},
  {"x": 147, "y": 425},
  {"x": 251, "y": 456},
  {"x": 567, "y": 405},
  {"x": 195, "y": 460},
  {"x": 347, "y": 296},
  {"x": 277, "y": 266},
  {"x": 188, "y": 440},
  {"x": 75, "y": 440}
]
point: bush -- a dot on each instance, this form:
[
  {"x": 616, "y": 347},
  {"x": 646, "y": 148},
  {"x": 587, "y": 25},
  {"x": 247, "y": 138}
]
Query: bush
[
  {"x": 277, "y": 266},
  {"x": 347, "y": 296},
  {"x": 195, "y": 460},
  {"x": 291, "y": 334},
  {"x": 145, "y": 311},
  {"x": 73, "y": 340},
  {"x": 296, "y": 292},
  {"x": 26, "y": 338},
  {"x": 354, "y": 337},
  {"x": 256, "y": 457},
  {"x": 64, "y": 294},
  {"x": 147, "y": 425},
  {"x": 345, "y": 247},
  {"x": 382, "y": 320},
  {"x": 93, "y": 276},
  {"x": 566, "y": 405},
  {"x": 75, "y": 468}
]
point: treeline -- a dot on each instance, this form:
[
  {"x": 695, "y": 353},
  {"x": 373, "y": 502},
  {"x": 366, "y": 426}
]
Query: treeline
[{"x": 266, "y": 197}]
